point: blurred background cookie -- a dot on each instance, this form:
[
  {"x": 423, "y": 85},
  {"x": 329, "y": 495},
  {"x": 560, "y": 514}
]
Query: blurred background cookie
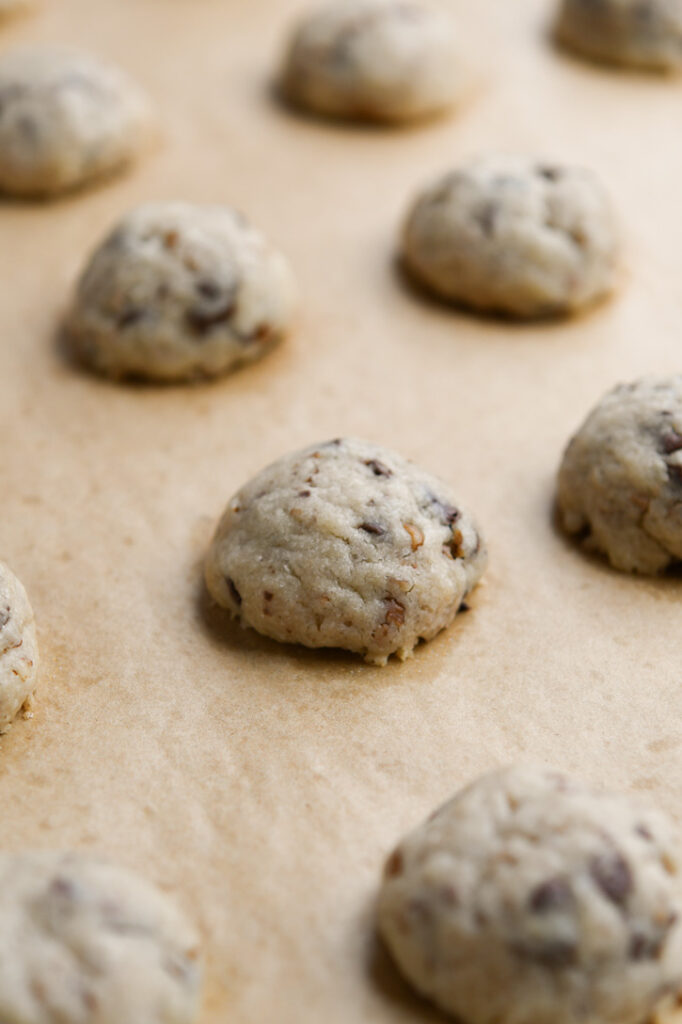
[{"x": 633, "y": 33}]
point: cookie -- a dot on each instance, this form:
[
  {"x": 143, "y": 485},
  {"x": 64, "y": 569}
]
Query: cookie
[
  {"x": 66, "y": 118},
  {"x": 178, "y": 291},
  {"x": 91, "y": 944},
  {"x": 531, "y": 898},
  {"x": 374, "y": 60},
  {"x": 345, "y": 544},
  {"x": 514, "y": 236},
  {"x": 620, "y": 481},
  {"x": 644, "y": 34},
  {"x": 18, "y": 648}
]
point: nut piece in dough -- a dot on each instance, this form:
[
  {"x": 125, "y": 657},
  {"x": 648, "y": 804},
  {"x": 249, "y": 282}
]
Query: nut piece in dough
[
  {"x": 643, "y": 34},
  {"x": 531, "y": 898},
  {"x": 514, "y": 236},
  {"x": 620, "y": 481},
  {"x": 375, "y": 60},
  {"x": 66, "y": 118},
  {"x": 345, "y": 544},
  {"x": 18, "y": 648},
  {"x": 91, "y": 944},
  {"x": 178, "y": 291}
]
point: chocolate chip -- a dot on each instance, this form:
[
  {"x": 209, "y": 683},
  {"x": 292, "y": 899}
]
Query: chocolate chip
[
  {"x": 373, "y": 528},
  {"x": 394, "y": 865},
  {"x": 554, "y": 894},
  {"x": 486, "y": 216},
  {"x": 464, "y": 607},
  {"x": 128, "y": 317},
  {"x": 447, "y": 513},
  {"x": 4, "y": 616},
  {"x": 644, "y": 832},
  {"x": 646, "y": 947},
  {"x": 268, "y": 595},
  {"x": 671, "y": 442},
  {"x": 208, "y": 289},
  {"x": 554, "y": 954},
  {"x": 202, "y": 320},
  {"x": 378, "y": 468},
  {"x": 613, "y": 876},
  {"x": 548, "y": 172},
  {"x": 234, "y": 593},
  {"x": 304, "y": 494}
]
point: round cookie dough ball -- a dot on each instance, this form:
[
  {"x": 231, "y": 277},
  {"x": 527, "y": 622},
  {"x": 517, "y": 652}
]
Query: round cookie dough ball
[
  {"x": 18, "y": 648},
  {"x": 513, "y": 236},
  {"x": 91, "y": 944},
  {"x": 620, "y": 481},
  {"x": 66, "y": 118},
  {"x": 637, "y": 33},
  {"x": 345, "y": 544},
  {"x": 178, "y": 291},
  {"x": 529, "y": 898},
  {"x": 374, "y": 60}
]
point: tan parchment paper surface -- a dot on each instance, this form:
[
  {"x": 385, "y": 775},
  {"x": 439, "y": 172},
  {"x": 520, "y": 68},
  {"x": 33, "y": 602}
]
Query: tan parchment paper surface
[{"x": 264, "y": 785}]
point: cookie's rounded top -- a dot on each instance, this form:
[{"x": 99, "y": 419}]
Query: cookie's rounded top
[
  {"x": 620, "y": 481},
  {"x": 643, "y": 34},
  {"x": 345, "y": 544},
  {"x": 179, "y": 290},
  {"x": 91, "y": 944},
  {"x": 530, "y": 897},
  {"x": 18, "y": 648},
  {"x": 375, "y": 60},
  {"x": 65, "y": 118},
  {"x": 513, "y": 235}
]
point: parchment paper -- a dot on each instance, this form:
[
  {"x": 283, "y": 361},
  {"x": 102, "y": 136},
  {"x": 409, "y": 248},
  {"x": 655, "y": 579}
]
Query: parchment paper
[{"x": 264, "y": 785}]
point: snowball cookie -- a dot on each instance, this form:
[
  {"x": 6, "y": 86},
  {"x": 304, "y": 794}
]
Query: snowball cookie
[
  {"x": 345, "y": 544},
  {"x": 374, "y": 60},
  {"x": 639, "y": 33},
  {"x": 531, "y": 899},
  {"x": 620, "y": 481},
  {"x": 65, "y": 119},
  {"x": 178, "y": 291},
  {"x": 18, "y": 648},
  {"x": 515, "y": 236},
  {"x": 91, "y": 944}
]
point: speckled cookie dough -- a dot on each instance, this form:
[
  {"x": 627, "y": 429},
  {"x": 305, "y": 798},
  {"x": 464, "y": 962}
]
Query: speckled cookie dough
[
  {"x": 18, "y": 648},
  {"x": 345, "y": 544},
  {"x": 375, "y": 60},
  {"x": 178, "y": 291},
  {"x": 529, "y": 898},
  {"x": 643, "y": 34},
  {"x": 66, "y": 118},
  {"x": 525, "y": 238},
  {"x": 91, "y": 944},
  {"x": 620, "y": 481}
]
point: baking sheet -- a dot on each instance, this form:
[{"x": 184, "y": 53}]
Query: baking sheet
[{"x": 264, "y": 785}]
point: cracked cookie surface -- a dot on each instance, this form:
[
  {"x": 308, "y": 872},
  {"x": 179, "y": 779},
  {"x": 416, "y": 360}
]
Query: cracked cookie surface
[
  {"x": 533, "y": 899},
  {"x": 66, "y": 118},
  {"x": 643, "y": 34},
  {"x": 345, "y": 544},
  {"x": 509, "y": 235},
  {"x": 91, "y": 944},
  {"x": 620, "y": 481},
  {"x": 374, "y": 60},
  {"x": 18, "y": 648},
  {"x": 178, "y": 291}
]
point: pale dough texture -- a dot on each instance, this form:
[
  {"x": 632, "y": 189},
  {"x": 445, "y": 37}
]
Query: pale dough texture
[
  {"x": 66, "y": 118},
  {"x": 178, "y": 291},
  {"x": 531, "y": 899},
  {"x": 345, "y": 544},
  {"x": 88, "y": 943},
  {"x": 636, "y": 33},
  {"x": 526, "y": 238},
  {"x": 18, "y": 648},
  {"x": 620, "y": 481},
  {"x": 375, "y": 60}
]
